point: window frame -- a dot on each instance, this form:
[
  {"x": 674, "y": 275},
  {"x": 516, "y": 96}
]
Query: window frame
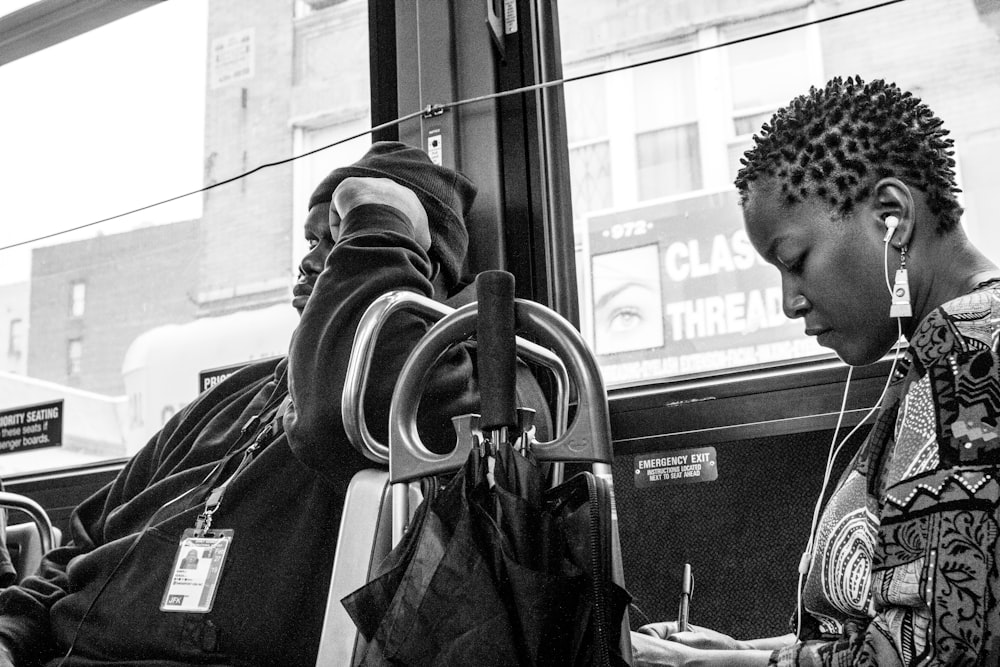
[
  {"x": 15, "y": 338},
  {"x": 798, "y": 395},
  {"x": 74, "y": 362}
]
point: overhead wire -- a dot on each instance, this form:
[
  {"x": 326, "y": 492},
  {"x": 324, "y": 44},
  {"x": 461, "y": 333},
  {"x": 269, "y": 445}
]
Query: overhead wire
[{"x": 437, "y": 109}]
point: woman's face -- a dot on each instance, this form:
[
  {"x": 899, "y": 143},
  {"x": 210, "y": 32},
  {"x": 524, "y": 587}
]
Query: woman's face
[{"x": 831, "y": 268}]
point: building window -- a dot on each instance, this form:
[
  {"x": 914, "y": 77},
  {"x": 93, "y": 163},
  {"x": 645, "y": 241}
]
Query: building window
[
  {"x": 15, "y": 343},
  {"x": 764, "y": 74},
  {"x": 316, "y": 164},
  {"x": 78, "y": 298},
  {"x": 590, "y": 173},
  {"x": 74, "y": 356},
  {"x": 589, "y": 145},
  {"x": 668, "y": 161},
  {"x": 667, "y": 148}
]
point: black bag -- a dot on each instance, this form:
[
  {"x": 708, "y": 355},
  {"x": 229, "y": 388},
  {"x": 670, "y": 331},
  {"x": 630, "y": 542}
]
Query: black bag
[{"x": 498, "y": 575}]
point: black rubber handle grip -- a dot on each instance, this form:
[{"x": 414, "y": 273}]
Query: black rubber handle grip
[{"x": 497, "y": 357}]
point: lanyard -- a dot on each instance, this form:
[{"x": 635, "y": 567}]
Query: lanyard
[{"x": 204, "y": 521}]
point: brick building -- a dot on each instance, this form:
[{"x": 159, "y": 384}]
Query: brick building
[
  {"x": 283, "y": 79},
  {"x": 91, "y": 298}
]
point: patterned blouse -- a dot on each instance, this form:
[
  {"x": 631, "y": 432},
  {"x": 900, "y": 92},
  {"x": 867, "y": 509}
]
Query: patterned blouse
[{"x": 905, "y": 567}]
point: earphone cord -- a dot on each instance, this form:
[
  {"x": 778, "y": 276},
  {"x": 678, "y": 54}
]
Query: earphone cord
[{"x": 835, "y": 448}]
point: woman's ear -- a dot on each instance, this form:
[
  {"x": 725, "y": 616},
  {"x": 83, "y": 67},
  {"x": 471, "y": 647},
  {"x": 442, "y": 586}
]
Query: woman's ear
[{"x": 893, "y": 211}]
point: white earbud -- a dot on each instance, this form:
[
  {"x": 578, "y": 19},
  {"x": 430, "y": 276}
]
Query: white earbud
[{"x": 891, "y": 222}]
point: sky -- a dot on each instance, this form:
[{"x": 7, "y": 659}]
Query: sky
[{"x": 103, "y": 123}]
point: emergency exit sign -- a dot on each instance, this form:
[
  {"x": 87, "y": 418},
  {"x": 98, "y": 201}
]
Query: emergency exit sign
[{"x": 679, "y": 466}]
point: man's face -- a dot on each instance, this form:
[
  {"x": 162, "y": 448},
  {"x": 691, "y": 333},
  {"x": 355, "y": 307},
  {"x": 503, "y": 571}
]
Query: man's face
[
  {"x": 831, "y": 271},
  {"x": 322, "y": 228}
]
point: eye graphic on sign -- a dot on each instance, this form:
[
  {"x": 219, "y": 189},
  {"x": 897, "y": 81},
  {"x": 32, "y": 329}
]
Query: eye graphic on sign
[{"x": 628, "y": 300}]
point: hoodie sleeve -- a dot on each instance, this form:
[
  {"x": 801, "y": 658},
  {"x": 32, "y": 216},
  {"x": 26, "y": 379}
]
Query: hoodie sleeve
[
  {"x": 24, "y": 609},
  {"x": 375, "y": 254}
]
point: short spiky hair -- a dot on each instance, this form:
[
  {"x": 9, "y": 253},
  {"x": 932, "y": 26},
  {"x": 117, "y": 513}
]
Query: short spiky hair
[{"x": 837, "y": 142}]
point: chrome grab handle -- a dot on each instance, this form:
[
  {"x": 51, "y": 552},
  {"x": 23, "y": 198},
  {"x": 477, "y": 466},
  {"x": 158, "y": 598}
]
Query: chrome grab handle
[
  {"x": 35, "y": 511},
  {"x": 358, "y": 367},
  {"x": 587, "y": 439}
]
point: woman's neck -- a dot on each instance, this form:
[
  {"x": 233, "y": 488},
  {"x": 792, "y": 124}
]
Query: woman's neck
[{"x": 958, "y": 268}]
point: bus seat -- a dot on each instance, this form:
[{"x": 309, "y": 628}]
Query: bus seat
[
  {"x": 25, "y": 547},
  {"x": 27, "y": 542},
  {"x": 363, "y": 541}
]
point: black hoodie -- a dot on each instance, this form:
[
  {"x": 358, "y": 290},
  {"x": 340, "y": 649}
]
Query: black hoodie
[{"x": 284, "y": 507}]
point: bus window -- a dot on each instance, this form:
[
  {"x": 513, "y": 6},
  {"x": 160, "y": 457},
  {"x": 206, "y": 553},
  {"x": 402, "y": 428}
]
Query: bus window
[
  {"x": 655, "y": 143},
  {"x": 107, "y": 330}
]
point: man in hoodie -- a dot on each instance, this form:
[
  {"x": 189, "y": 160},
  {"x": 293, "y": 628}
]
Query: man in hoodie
[{"x": 257, "y": 468}]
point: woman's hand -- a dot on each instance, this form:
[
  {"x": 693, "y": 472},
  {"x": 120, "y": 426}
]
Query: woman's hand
[
  {"x": 695, "y": 637},
  {"x": 651, "y": 651}
]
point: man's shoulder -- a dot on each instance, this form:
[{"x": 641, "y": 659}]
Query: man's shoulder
[{"x": 239, "y": 379}]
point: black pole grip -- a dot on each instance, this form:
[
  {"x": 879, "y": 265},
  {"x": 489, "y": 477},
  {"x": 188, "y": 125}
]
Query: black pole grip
[{"x": 496, "y": 352}]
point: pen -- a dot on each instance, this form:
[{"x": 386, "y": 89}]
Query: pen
[{"x": 686, "y": 586}]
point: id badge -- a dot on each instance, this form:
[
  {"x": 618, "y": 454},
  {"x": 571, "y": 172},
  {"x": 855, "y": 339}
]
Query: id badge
[{"x": 194, "y": 578}]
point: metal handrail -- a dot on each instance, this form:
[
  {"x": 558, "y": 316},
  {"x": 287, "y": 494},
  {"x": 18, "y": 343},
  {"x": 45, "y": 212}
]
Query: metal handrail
[
  {"x": 587, "y": 439},
  {"x": 33, "y": 510},
  {"x": 362, "y": 354}
]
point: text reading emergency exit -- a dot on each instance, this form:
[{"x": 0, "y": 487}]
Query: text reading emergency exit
[{"x": 680, "y": 466}]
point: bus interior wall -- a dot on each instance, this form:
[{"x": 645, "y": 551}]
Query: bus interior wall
[{"x": 743, "y": 533}]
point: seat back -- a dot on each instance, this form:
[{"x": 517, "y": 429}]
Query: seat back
[
  {"x": 363, "y": 541},
  {"x": 24, "y": 544}
]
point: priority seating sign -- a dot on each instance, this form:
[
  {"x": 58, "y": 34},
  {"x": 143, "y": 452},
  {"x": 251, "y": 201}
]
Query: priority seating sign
[{"x": 31, "y": 427}]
